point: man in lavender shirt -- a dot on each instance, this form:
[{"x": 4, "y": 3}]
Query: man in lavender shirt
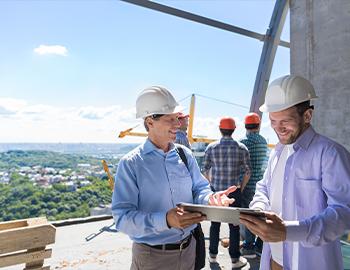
[{"x": 305, "y": 190}]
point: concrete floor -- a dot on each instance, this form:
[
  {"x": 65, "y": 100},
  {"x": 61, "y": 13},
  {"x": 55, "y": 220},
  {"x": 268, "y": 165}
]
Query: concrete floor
[{"x": 108, "y": 249}]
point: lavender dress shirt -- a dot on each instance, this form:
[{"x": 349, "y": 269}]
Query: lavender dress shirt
[{"x": 315, "y": 202}]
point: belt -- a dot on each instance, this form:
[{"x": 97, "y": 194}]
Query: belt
[{"x": 176, "y": 246}]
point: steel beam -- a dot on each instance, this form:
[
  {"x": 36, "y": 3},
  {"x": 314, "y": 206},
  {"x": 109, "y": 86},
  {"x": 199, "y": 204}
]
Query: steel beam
[
  {"x": 268, "y": 54},
  {"x": 201, "y": 19}
]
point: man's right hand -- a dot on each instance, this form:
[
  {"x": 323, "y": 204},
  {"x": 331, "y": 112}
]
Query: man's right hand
[
  {"x": 178, "y": 218},
  {"x": 271, "y": 229},
  {"x": 221, "y": 198}
]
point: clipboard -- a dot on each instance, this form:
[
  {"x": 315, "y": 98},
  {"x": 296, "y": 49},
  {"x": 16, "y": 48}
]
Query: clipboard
[{"x": 221, "y": 213}]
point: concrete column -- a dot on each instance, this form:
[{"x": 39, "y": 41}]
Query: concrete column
[{"x": 320, "y": 51}]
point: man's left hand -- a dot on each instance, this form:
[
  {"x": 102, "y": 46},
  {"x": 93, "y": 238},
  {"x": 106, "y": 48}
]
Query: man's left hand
[
  {"x": 220, "y": 198},
  {"x": 271, "y": 229}
]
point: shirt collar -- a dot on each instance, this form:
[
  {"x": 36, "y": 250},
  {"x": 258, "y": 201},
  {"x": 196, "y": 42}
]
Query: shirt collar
[
  {"x": 181, "y": 131},
  {"x": 149, "y": 147},
  {"x": 305, "y": 139},
  {"x": 252, "y": 134},
  {"x": 302, "y": 142},
  {"x": 226, "y": 139}
]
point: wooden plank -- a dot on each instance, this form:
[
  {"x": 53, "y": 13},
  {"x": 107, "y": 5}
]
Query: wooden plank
[
  {"x": 7, "y": 225},
  {"x": 26, "y": 238},
  {"x": 36, "y": 221},
  {"x": 36, "y": 264},
  {"x": 38, "y": 268},
  {"x": 24, "y": 257},
  {"x": 12, "y": 224}
]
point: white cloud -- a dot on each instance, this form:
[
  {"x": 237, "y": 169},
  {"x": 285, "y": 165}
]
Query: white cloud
[
  {"x": 11, "y": 105},
  {"x": 51, "y": 49},
  {"x": 95, "y": 113},
  {"x": 45, "y": 123},
  {"x": 37, "y": 109},
  {"x": 209, "y": 127}
]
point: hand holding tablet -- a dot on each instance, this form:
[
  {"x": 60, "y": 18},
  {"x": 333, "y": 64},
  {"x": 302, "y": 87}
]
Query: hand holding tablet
[{"x": 221, "y": 213}]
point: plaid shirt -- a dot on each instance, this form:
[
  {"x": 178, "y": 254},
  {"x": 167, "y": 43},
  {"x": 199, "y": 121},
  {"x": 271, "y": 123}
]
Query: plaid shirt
[
  {"x": 228, "y": 160},
  {"x": 258, "y": 149}
]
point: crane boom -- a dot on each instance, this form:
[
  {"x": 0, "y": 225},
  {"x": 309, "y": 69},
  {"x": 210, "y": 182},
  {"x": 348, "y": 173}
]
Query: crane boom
[{"x": 110, "y": 177}]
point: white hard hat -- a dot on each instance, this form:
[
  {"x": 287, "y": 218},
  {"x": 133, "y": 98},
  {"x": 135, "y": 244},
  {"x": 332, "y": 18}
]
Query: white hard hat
[
  {"x": 155, "y": 100},
  {"x": 286, "y": 92}
]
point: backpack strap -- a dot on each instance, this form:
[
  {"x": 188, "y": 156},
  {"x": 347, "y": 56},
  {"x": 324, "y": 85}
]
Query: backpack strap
[{"x": 182, "y": 155}]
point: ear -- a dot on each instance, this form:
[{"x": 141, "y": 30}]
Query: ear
[
  {"x": 308, "y": 116},
  {"x": 149, "y": 122}
]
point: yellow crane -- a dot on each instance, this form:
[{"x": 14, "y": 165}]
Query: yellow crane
[
  {"x": 109, "y": 175},
  {"x": 191, "y": 139}
]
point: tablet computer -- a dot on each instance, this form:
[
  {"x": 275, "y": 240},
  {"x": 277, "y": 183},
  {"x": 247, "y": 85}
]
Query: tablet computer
[{"x": 220, "y": 213}]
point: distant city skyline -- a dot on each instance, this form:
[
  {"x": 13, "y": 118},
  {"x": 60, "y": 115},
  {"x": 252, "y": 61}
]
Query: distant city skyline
[{"x": 71, "y": 70}]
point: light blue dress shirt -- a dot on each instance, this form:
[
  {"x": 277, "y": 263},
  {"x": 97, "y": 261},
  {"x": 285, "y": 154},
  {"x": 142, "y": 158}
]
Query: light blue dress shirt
[
  {"x": 315, "y": 202},
  {"x": 148, "y": 184}
]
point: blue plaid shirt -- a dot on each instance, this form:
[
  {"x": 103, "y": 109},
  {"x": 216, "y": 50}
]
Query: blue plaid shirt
[
  {"x": 258, "y": 149},
  {"x": 228, "y": 160}
]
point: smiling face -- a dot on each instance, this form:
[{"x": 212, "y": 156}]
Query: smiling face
[
  {"x": 289, "y": 124},
  {"x": 162, "y": 130}
]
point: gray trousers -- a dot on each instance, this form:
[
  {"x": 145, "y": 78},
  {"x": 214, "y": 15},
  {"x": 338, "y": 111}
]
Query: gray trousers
[{"x": 147, "y": 258}]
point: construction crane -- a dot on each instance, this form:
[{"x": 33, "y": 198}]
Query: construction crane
[
  {"x": 190, "y": 137},
  {"x": 109, "y": 175}
]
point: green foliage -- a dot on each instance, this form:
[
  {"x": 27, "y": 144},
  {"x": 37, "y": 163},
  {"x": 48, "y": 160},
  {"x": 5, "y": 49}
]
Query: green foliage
[
  {"x": 19, "y": 158},
  {"x": 22, "y": 199}
]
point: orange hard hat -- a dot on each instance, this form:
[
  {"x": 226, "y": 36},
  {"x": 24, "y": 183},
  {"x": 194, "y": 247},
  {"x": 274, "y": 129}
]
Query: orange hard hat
[
  {"x": 227, "y": 123},
  {"x": 252, "y": 118}
]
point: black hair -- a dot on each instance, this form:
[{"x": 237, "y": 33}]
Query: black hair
[
  {"x": 252, "y": 126},
  {"x": 226, "y": 132},
  {"x": 154, "y": 117},
  {"x": 303, "y": 107}
]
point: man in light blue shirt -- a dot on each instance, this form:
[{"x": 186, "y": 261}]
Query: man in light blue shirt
[
  {"x": 151, "y": 180},
  {"x": 306, "y": 185}
]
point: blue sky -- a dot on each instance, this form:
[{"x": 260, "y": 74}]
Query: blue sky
[{"x": 70, "y": 71}]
